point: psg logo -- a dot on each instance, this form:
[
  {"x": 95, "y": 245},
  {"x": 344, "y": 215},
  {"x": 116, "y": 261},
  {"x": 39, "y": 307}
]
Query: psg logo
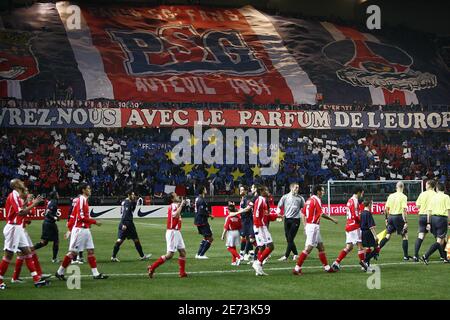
[{"x": 367, "y": 63}]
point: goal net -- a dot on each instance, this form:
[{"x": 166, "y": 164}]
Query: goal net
[{"x": 339, "y": 191}]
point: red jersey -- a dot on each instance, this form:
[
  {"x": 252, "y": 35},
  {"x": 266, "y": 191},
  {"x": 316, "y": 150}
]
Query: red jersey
[
  {"x": 26, "y": 220},
  {"x": 313, "y": 210},
  {"x": 233, "y": 223},
  {"x": 12, "y": 207},
  {"x": 353, "y": 216},
  {"x": 260, "y": 210},
  {"x": 81, "y": 213},
  {"x": 173, "y": 222}
]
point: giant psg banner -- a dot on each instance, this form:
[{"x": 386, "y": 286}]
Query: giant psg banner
[
  {"x": 201, "y": 54},
  {"x": 282, "y": 119}
]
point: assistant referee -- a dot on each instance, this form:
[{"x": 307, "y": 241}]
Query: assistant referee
[
  {"x": 396, "y": 206},
  {"x": 439, "y": 222},
  {"x": 292, "y": 203}
]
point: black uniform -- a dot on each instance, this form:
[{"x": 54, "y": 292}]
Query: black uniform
[
  {"x": 247, "y": 220},
  {"x": 367, "y": 222},
  {"x": 201, "y": 217},
  {"x": 127, "y": 209},
  {"x": 49, "y": 226}
]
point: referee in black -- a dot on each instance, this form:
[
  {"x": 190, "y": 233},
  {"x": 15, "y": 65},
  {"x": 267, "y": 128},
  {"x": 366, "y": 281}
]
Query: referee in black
[
  {"x": 127, "y": 229},
  {"x": 49, "y": 227},
  {"x": 292, "y": 203}
]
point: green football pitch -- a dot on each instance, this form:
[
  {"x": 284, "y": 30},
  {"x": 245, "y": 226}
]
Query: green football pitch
[{"x": 217, "y": 279}]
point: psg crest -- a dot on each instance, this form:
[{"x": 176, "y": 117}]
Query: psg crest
[{"x": 367, "y": 63}]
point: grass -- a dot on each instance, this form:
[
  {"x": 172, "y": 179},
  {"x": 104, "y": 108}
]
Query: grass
[{"x": 217, "y": 279}]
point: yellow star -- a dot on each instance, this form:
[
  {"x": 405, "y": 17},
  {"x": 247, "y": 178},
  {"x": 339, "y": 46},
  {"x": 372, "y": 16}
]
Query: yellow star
[
  {"x": 238, "y": 143},
  {"x": 278, "y": 156},
  {"x": 255, "y": 149},
  {"x": 236, "y": 174},
  {"x": 212, "y": 140},
  {"x": 170, "y": 155},
  {"x": 193, "y": 140},
  {"x": 187, "y": 168},
  {"x": 256, "y": 171},
  {"x": 212, "y": 170}
]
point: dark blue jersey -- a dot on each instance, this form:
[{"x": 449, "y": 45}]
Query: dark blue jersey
[
  {"x": 51, "y": 214},
  {"x": 367, "y": 220},
  {"x": 201, "y": 211},
  {"x": 127, "y": 209},
  {"x": 246, "y": 217}
]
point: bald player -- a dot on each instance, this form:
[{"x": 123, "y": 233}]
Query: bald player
[
  {"x": 396, "y": 208},
  {"x": 424, "y": 203},
  {"x": 439, "y": 222}
]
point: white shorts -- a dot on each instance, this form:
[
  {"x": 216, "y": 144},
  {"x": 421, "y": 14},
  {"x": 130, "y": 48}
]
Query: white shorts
[
  {"x": 233, "y": 238},
  {"x": 353, "y": 236},
  {"x": 262, "y": 236},
  {"x": 15, "y": 237},
  {"x": 29, "y": 242},
  {"x": 313, "y": 237},
  {"x": 80, "y": 240},
  {"x": 174, "y": 240}
]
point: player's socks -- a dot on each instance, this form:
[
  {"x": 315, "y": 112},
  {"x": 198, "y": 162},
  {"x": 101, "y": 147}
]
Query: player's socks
[
  {"x": 435, "y": 246},
  {"x": 116, "y": 249},
  {"x": 18, "y": 267},
  {"x": 38, "y": 245},
  {"x": 302, "y": 258},
  {"x": 323, "y": 258},
  {"x": 37, "y": 265},
  {"x": 383, "y": 242},
  {"x": 234, "y": 253},
  {"x": 182, "y": 264},
  {"x": 405, "y": 248},
  {"x": 442, "y": 252},
  {"x": 417, "y": 247},
  {"x": 4, "y": 267},
  {"x": 264, "y": 254},
  {"x": 31, "y": 267},
  {"x": 158, "y": 262},
  {"x": 362, "y": 255},
  {"x": 342, "y": 255},
  {"x": 64, "y": 264},
  {"x": 55, "y": 250},
  {"x": 248, "y": 247},
  {"x": 243, "y": 245},
  {"x": 138, "y": 247},
  {"x": 205, "y": 247},
  {"x": 93, "y": 264},
  {"x": 200, "y": 248}
]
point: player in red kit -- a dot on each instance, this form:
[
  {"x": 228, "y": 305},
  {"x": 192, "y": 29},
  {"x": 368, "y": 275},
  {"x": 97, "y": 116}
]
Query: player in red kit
[
  {"x": 81, "y": 237},
  {"x": 174, "y": 239},
  {"x": 312, "y": 212},
  {"x": 263, "y": 237},
  {"x": 231, "y": 228},
  {"x": 20, "y": 258},
  {"x": 353, "y": 231},
  {"x": 15, "y": 238}
]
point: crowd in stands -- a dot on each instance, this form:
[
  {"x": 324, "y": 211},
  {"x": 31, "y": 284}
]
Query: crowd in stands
[{"x": 113, "y": 161}]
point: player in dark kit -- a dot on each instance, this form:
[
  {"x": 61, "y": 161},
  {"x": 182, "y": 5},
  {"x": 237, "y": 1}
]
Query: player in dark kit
[
  {"x": 247, "y": 234},
  {"x": 127, "y": 230},
  {"x": 201, "y": 221},
  {"x": 368, "y": 232},
  {"x": 50, "y": 230}
]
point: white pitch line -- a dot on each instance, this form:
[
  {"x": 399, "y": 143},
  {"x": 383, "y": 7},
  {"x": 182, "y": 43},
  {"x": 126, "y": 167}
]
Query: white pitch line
[
  {"x": 251, "y": 270},
  {"x": 140, "y": 223}
]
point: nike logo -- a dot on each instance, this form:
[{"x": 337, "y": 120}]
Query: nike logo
[
  {"x": 97, "y": 214},
  {"x": 143, "y": 214}
]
